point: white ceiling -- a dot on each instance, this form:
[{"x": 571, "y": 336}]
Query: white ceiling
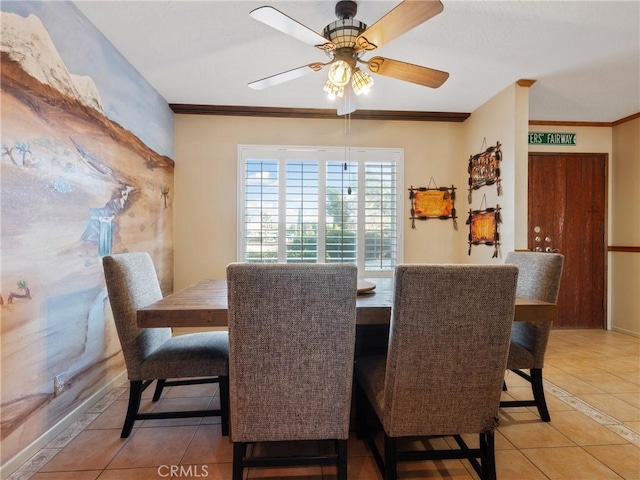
[{"x": 584, "y": 56}]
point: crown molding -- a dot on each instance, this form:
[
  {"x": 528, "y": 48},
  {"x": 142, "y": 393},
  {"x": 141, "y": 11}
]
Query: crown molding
[
  {"x": 270, "y": 112},
  {"x": 564, "y": 123},
  {"x": 626, "y": 119},
  {"x": 561, "y": 123}
]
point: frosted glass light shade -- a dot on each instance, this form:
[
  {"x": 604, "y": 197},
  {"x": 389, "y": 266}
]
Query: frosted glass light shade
[
  {"x": 340, "y": 73},
  {"x": 361, "y": 82},
  {"x": 333, "y": 90}
]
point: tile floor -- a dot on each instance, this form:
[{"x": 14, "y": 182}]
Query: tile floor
[{"x": 593, "y": 392}]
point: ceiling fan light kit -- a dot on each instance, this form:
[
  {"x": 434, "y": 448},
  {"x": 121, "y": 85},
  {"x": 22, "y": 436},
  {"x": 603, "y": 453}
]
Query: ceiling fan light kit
[
  {"x": 346, "y": 40},
  {"x": 333, "y": 90},
  {"x": 361, "y": 82},
  {"x": 340, "y": 73}
]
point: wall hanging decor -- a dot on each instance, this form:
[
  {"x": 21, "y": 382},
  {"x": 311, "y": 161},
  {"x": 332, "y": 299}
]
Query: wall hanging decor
[
  {"x": 433, "y": 202},
  {"x": 483, "y": 228},
  {"x": 484, "y": 169}
]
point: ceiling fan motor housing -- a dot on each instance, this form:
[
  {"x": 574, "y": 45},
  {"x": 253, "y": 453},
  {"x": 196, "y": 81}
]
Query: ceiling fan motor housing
[
  {"x": 346, "y": 9},
  {"x": 343, "y": 32}
]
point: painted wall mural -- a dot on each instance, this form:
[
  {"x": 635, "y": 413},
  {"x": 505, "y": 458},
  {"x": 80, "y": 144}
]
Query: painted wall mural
[{"x": 82, "y": 175}]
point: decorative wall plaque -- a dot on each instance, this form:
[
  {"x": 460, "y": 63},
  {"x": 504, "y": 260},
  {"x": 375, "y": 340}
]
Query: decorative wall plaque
[
  {"x": 437, "y": 202},
  {"x": 484, "y": 169},
  {"x": 483, "y": 228}
]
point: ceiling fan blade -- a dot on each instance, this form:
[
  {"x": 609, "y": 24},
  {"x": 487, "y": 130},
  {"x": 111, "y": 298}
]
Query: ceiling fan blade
[
  {"x": 285, "y": 76},
  {"x": 284, "y": 23},
  {"x": 401, "y": 19},
  {"x": 408, "y": 72},
  {"x": 347, "y": 103}
]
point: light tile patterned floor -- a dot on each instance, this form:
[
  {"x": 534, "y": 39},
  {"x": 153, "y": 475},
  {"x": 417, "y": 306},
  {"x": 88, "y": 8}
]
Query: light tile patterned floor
[{"x": 593, "y": 392}]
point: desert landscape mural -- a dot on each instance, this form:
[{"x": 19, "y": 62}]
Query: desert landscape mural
[{"x": 75, "y": 186}]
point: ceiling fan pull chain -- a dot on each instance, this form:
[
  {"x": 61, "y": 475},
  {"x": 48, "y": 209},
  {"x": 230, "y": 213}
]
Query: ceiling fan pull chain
[{"x": 347, "y": 150}]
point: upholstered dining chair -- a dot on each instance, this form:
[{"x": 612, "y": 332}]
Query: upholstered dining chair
[
  {"x": 443, "y": 372},
  {"x": 291, "y": 350},
  {"x": 539, "y": 278},
  {"x": 153, "y": 353}
]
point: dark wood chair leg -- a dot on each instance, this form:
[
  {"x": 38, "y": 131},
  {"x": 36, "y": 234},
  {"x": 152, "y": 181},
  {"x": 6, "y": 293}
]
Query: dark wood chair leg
[
  {"x": 488, "y": 456},
  {"x": 341, "y": 450},
  {"x": 534, "y": 377},
  {"x": 538, "y": 394},
  {"x": 159, "y": 386},
  {"x": 239, "y": 451},
  {"x": 224, "y": 405},
  {"x": 135, "y": 394},
  {"x": 361, "y": 412},
  {"x": 390, "y": 463}
]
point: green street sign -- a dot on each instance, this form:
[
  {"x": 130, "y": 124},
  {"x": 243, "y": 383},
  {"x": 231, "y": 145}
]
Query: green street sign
[{"x": 550, "y": 138}]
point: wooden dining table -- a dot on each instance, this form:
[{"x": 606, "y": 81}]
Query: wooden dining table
[{"x": 204, "y": 304}]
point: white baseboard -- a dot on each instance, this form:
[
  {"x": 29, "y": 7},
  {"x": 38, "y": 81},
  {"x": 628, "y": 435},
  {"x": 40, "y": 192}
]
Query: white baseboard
[
  {"x": 13, "y": 464},
  {"x": 625, "y": 331}
]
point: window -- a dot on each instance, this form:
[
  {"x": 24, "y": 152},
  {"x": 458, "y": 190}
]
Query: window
[{"x": 321, "y": 205}]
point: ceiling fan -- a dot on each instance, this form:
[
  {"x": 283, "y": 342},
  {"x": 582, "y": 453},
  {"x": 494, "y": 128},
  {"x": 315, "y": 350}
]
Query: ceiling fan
[{"x": 346, "y": 41}]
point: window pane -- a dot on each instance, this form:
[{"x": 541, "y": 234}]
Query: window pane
[
  {"x": 261, "y": 211},
  {"x": 302, "y": 212},
  {"x": 380, "y": 216},
  {"x": 307, "y": 205},
  {"x": 342, "y": 212}
]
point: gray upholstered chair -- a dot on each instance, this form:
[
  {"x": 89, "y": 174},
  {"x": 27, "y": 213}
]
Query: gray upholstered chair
[
  {"x": 291, "y": 349},
  {"x": 539, "y": 277},
  {"x": 153, "y": 353},
  {"x": 443, "y": 372}
]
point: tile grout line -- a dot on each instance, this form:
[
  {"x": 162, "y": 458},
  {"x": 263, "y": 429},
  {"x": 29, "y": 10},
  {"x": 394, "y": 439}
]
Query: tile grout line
[
  {"x": 38, "y": 460},
  {"x": 33, "y": 465},
  {"x": 593, "y": 413}
]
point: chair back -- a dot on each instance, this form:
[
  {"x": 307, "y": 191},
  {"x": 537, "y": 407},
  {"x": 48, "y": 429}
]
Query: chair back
[
  {"x": 538, "y": 277},
  {"x": 291, "y": 348},
  {"x": 539, "y": 274},
  {"x": 132, "y": 284},
  {"x": 448, "y": 347}
]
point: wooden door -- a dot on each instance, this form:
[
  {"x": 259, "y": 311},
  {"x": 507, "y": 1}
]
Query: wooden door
[{"x": 567, "y": 214}]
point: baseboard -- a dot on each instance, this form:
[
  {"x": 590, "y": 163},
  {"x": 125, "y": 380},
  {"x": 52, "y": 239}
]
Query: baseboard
[
  {"x": 13, "y": 464},
  {"x": 626, "y": 332}
]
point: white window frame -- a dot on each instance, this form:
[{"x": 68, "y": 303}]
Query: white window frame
[{"x": 360, "y": 155}]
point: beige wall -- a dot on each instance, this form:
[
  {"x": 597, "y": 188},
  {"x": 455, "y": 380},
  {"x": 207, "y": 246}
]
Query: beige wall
[
  {"x": 206, "y": 168},
  {"x": 206, "y": 180},
  {"x": 206, "y": 177},
  {"x": 624, "y": 228},
  {"x": 502, "y": 119},
  {"x": 588, "y": 139}
]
